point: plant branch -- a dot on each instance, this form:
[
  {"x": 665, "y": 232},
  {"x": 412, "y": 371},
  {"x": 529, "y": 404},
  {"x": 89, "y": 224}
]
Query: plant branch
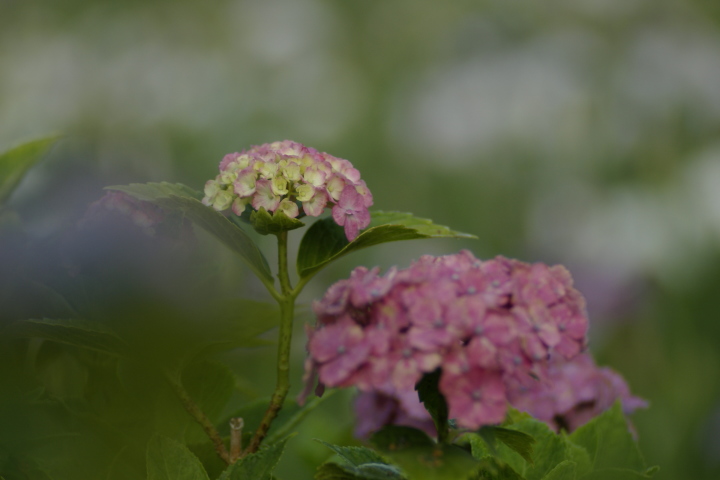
[
  {"x": 287, "y": 312},
  {"x": 194, "y": 410}
]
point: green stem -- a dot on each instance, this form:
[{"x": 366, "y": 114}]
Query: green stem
[
  {"x": 287, "y": 312},
  {"x": 194, "y": 410}
]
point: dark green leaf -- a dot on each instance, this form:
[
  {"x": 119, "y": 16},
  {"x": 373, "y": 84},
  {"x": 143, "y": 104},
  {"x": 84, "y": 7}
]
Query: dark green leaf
[
  {"x": 15, "y": 162},
  {"x": 421, "y": 458},
  {"x": 72, "y": 331},
  {"x": 355, "y": 456},
  {"x": 434, "y": 401},
  {"x": 564, "y": 470},
  {"x": 256, "y": 466},
  {"x": 178, "y": 197},
  {"x": 397, "y": 437},
  {"x": 168, "y": 459},
  {"x": 210, "y": 385},
  {"x": 325, "y": 241},
  {"x": 370, "y": 471},
  {"x": 266, "y": 224}
]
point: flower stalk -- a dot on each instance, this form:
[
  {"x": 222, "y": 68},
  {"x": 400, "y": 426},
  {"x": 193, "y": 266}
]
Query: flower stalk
[{"x": 287, "y": 311}]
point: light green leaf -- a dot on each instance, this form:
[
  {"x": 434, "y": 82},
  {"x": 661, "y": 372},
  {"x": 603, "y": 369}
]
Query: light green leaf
[
  {"x": 564, "y": 470},
  {"x": 278, "y": 222},
  {"x": 517, "y": 441},
  {"x": 168, "y": 459},
  {"x": 178, "y": 197},
  {"x": 73, "y": 331},
  {"x": 256, "y": 466},
  {"x": 325, "y": 241},
  {"x": 15, "y": 162},
  {"x": 608, "y": 441}
]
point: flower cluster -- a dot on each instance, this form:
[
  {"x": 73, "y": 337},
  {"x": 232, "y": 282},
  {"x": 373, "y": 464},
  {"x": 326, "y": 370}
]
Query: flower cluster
[
  {"x": 280, "y": 176},
  {"x": 490, "y": 326},
  {"x": 574, "y": 392}
]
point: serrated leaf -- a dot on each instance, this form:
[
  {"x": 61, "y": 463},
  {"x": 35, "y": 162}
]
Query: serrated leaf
[
  {"x": 429, "y": 394},
  {"x": 564, "y": 470},
  {"x": 608, "y": 441},
  {"x": 370, "y": 471},
  {"x": 178, "y": 197},
  {"x": 325, "y": 241},
  {"x": 256, "y": 466},
  {"x": 355, "y": 456},
  {"x": 73, "y": 331},
  {"x": 15, "y": 163},
  {"x": 168, "y": 459},
  {"x": 266, "y": 224}
]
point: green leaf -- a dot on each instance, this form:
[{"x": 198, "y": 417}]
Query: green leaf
[
  {"x": 278, "y": 222},
  {"x": 608, "y": 441},
  {"x": 434, "y": 401},
  {"x": 564, "y": 470},
  {"x": 519, "y": 442},
  {"x": 73, "y": 331},
  {"x": 355, "y": 456},
  {"x": 256, "y": 466},
  {"x": 178, "y": 197},
  {"x": 168, "y": 459},
  {"x": 15, "y": 162},
  {"x": 370, "y": 471},
  {"x": 398, "y": 437},
  {"x": 423, "y": 459},
  {"x": 236, "y": 322},
  {"x": 325, "y": 241},
  {"x": 357, "y": 463},
  {"x": 210, "y": 385}
]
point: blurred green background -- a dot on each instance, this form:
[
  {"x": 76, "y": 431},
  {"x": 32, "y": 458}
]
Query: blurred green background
[{"x": 581, "y": 132}]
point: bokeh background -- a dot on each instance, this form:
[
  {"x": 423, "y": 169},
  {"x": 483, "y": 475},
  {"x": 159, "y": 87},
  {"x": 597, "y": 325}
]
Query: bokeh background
[{"x": 581, "y": 132}]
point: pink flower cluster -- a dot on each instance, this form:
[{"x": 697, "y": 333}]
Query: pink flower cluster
[
  {"x": 490, "y": 326},
  {"x": 280, "y": 176},
  {"x": 571, "y": 394},
  {"x": 574, "y": 392}
]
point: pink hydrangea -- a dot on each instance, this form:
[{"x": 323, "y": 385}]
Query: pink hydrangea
[
  {"x": 573, "y": 392},
  {"x": 282, "y": 176},
  {"x": 490, "y": 326}
]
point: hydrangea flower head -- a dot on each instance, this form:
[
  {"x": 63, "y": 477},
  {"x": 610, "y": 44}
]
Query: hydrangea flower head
[
  {"x": 287, "y": 176},
  {"x": 491, "y": 326},
  {"x": 573, "y": 392}
]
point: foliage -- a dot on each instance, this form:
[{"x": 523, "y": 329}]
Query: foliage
[{"x": 103, "y": 379}]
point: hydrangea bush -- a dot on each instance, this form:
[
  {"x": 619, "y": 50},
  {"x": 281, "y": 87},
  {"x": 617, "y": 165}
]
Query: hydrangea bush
[{"x": 464, "y": 368}]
